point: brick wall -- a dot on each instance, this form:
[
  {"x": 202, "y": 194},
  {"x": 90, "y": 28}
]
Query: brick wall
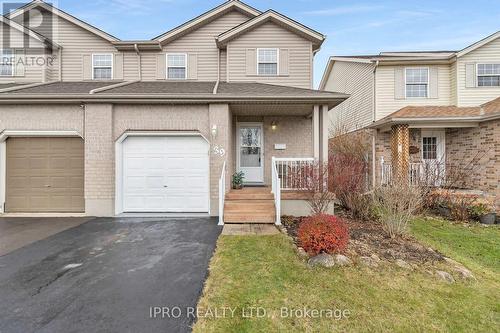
[
  {"x": 99, "y": 160},
  {"x": 483, "y": 144},
  {"x": 41, "y": 117}
]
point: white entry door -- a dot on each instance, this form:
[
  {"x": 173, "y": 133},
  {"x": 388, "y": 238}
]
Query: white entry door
[
  {"x": 165, "y": 174},
  {"x": 250, "y": 152},
  {"x": 433, "y": 155}
]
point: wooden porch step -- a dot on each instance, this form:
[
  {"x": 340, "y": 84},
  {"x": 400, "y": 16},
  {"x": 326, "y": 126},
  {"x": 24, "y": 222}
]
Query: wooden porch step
[
  {"x": 242, "y": 195},
  {"x": 245, "y": 217},
  {"x": 250, "y": 205}
]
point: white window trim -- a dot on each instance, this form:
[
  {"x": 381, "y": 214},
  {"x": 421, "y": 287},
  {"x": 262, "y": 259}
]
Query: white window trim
[
  {"x": 428, "y": 80},
  {"x": 112, "y": 64},
  {"x": 12, "y": 65},
  {"x": 477, "y": 74},
  {"x": 186, "y": 66},
  {"x": 277, "y": 61}
]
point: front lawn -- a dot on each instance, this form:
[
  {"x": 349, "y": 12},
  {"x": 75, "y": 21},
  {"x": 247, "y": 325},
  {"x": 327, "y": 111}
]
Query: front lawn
[{"x": 264, "y": 272}]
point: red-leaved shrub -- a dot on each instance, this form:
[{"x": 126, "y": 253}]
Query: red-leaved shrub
[{"x": 323, "y": 233}]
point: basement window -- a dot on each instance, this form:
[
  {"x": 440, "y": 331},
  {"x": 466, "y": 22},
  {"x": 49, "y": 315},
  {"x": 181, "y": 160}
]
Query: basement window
[{"x": 488, "y": 75}]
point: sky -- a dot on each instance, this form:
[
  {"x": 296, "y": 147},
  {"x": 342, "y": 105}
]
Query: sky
[{"x": 351, "y": 27}]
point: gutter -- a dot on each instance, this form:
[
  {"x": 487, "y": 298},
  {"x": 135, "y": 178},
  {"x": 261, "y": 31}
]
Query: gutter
[
  {"x": 436, "y": 120},
  {"x": 24, "y": 86},
  {"x": 117, "y": 85},
  {"x": 374, "y": 144}
]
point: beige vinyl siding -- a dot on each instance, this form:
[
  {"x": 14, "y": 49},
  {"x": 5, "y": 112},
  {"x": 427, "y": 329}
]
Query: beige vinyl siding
[
  {"x": 355, "y": 79},
  {"x": 130, "y": 66},
  {"x": 453, "y": 83},
  {"x": 200, "y": 42},
  {"x": 33, "y": 72},
  {"x": 76, "y": 42},
  {"x": 386, "y": 103},
  {"x": 270, "y": 35},
  {"x": 223, "y": 65},
  {"x": 489, "y": 53},
  {"x": 148, "y": 65}
]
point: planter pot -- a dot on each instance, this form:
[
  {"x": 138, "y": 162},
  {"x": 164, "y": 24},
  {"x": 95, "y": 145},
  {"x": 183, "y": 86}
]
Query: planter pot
[
  {"x": 444, "y": 211},
  {"x": 237, "y": 187},
  {"x": 488, "y": 218}
]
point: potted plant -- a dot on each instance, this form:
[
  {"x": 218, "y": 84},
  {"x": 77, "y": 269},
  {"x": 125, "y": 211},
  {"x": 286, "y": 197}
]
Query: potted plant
[
  {"x": 484, "y": 213},
  {"x": 237, "y": 180}
]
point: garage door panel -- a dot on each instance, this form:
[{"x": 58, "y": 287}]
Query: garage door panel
[
  {"x": 158, "y": 171},
  {"x": 45, "y": 175}
]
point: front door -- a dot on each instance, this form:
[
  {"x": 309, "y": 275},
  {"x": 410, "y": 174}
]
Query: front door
[
  {"x": 250, "y": 155},
  {"x": 433, "y": 155}
]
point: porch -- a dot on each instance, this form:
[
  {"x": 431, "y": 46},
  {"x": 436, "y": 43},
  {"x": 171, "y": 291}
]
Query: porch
[{"x": 270, "y": 144}]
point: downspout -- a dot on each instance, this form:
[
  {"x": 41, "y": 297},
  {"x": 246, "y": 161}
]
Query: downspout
[
  {"x": 60, "y": 63},
  {"x": 216, "y": 86},
  {"x": 374, "y": 118},
  {"x": 136, "y": 48}
]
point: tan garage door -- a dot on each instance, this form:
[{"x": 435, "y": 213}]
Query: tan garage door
[{"x": 44, "y": 175}]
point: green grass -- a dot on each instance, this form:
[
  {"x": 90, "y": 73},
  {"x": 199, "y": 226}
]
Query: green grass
[
  {"x": 474, "y": 245},
  {"x": 265, "y": 272}
]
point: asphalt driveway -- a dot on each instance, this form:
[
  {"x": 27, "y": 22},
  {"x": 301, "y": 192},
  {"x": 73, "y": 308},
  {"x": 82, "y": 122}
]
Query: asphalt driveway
[{"x": 107, "y": 275}]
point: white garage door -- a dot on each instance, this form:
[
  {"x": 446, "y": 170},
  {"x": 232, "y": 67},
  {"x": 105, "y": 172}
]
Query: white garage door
[{"x": 165, "y": 174}]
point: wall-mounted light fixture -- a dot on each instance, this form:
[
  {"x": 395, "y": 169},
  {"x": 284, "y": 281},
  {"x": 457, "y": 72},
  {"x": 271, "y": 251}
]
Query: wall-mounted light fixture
[
  {"x": 274, "y": 125},
  {"x": 214, "y": 131}
]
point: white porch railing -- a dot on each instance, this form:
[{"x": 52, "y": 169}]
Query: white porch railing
[
  {"x": 418, "y": 173},
  {"x": 222, "y": 193},
  {"x": 276, "y": 189},
  {"x": 293, "y": 171}
]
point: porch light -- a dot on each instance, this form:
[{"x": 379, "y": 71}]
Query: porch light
[
  {"x": 274, "y": 126},
  {"x": 214, "y": 131}
]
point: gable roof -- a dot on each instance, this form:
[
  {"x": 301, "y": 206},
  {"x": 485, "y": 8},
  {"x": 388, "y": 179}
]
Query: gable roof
[
  {"x": 40, "y": 3},
  {"x": 206, "y": 18},
  {"x": 33, "y": 34},
  {"x": 478, "y": 44},
  {"x": 275, "y": 17}
]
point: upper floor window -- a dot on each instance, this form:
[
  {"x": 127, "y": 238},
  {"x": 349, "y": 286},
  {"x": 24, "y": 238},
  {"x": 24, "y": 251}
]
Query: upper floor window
[
  {"x": 267, "y": 61},
  {"x": 6, "y": 68},
  {"x": 102, "y": 66},
  {"x": 417, "y": 82},
  {"x": 176, "y": 66},
  {"x": 488, "y": 75}
]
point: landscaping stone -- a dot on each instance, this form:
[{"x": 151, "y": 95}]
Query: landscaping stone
[
  {"x": 302, "y": 253},
  {"x": 445, "y": 276},
  {"x": 464, "y": 273},
  {"x": 403, "y": 264},
  {"x": 375, "y": 258},
  {"x": 322, "y": 259},
  {"x": 368, "y": 261},
  {"x": 342, "y": 260}
]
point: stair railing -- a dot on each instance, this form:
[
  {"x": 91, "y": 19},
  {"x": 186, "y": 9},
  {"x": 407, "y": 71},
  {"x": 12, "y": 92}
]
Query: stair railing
[
  {"x": 276, "y": 189},
  {"x": 222, "y": 193}
]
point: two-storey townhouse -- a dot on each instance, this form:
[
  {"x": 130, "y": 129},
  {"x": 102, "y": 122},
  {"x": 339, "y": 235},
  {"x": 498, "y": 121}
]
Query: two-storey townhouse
[
  {"x": 104, "y": 126},
  {"x": 425, "y": 110}
]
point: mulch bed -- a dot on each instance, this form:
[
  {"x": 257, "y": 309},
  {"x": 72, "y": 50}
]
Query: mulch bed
[{"x": 368, "y": 238}]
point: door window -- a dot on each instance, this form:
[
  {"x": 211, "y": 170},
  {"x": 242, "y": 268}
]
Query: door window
[
  {"x": 429, "y": 148},
  {"x": 250, "y": 147}
]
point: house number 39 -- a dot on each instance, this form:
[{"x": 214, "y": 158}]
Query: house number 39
[{"x": 219, "y": 151}]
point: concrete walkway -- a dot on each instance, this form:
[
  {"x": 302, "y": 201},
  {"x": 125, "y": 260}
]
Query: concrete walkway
[{"x": 249, "y": 229}]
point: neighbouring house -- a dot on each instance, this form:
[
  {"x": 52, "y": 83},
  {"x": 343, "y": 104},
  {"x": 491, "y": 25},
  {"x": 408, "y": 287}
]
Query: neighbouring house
[
  {"x": 95, "y": 125},
  {"x": 424, "y": 110}
]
